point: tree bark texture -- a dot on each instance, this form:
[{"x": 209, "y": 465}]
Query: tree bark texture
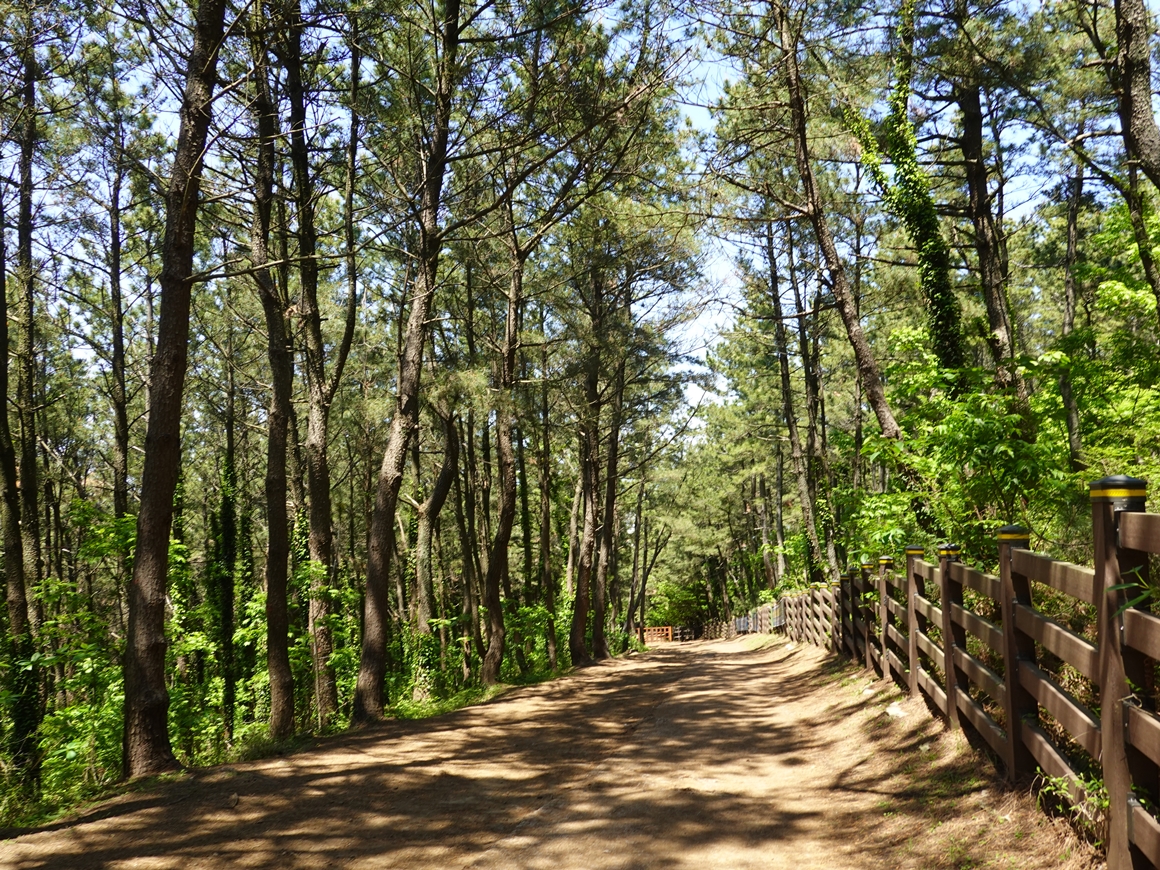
[
  {"x": 989, "y": 247},
  {"x": 280, "y": 356},
  {"x": 1070, "y": 300},
  {"x": 1134, "y": 27},
  {"x": 27, "y": 397}
]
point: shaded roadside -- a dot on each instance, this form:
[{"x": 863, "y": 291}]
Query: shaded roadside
[{"x": 695, "y": 755}]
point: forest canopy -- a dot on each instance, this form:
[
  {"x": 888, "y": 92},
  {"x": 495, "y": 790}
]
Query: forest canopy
[{"x": 351, "y": 350}]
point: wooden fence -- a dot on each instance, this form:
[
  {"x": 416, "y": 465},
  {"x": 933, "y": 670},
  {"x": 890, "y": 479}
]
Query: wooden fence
[
  {"x": 658, "y": 633},
  {"x": 760, "y": 620},
  {"x": 1052, "y": 664}
]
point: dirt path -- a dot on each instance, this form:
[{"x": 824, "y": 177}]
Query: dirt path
[{"x": 705, "y": 755}]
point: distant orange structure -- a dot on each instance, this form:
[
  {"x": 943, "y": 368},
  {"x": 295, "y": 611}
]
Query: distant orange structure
[{"x": 657, "y": 633}]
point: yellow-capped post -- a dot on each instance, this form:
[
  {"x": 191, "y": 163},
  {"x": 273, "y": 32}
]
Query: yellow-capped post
[
  {"x": 885, "y": 565},
  {"x": 867, "y": 615},
  {"x": 1112, "y": 497},
  {"x": 913, "y": 584},
  {"x": 950, "y": 593},
  {"x": 1018, "y": 651}
]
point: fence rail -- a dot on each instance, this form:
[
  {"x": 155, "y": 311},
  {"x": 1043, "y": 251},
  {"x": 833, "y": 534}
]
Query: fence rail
[{"x": 996, "y": 655}]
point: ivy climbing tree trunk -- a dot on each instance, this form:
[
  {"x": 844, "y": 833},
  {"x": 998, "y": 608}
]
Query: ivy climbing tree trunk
[{"x": 909, "y": 198}]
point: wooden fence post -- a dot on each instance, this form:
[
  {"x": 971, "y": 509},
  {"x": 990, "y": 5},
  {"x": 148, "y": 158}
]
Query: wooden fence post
[
  {"x": 951, "y": 593},
  {"x": 913, "y": 584},
  {"x": 885, "y": 564},
  {"x": 1112, "y": 496},
  {"x": 867, "y": 620},
  {"x": 850, "y": 609},
  {"x": 835, "y": 617},
  {"x": 1017, "y": 647}
]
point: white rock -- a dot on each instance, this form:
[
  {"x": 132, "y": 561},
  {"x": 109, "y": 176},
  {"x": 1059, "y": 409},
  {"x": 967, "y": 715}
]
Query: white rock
[{"x": 895, "y": 711}]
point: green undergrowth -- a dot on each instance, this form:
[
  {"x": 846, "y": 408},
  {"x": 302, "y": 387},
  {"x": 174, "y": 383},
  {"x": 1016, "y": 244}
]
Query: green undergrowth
[{"x": 405, "y": 708}]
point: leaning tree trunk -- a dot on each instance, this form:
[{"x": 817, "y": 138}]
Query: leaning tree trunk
[
  {"x": 428, "y": 513},
  {"x": 146, "y": 735},
  {"x": 835, "y": 266},
  {"x": 368, "y": 703}
]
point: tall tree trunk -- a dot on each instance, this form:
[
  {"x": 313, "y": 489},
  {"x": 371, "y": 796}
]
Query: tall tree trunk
[
  {"x": 771, "y": 575},
  {"x": 574, "y": 533},
  {"x": 797, "y": 449},
  {"x": 475, "y": 554},
  {"x": 428, "y": 513},
  {"x": 547, "y": 578},
  {"x": 525, "y": 517},
  {"x": 146, "y": 741},
  {"x": 1070, "y": 300},
  {"x": 988, "y": 243},
  {"x": 637, "y": 519},
  {"x": 372, "y": 665},
  {"x": 26, "y": 377},
  {"x": 119, "y": 394},
  {"x": 1134, "y": 29},
  {"x": 608, "y": 523},
  {"x": 228, "y": 543},
  {"x": 590, "y": 479},
  {"x": 497, "y": 562},
  {"x": 321, "y": 537},
  {"x": 779, "y": 512},
  {"x": 24, "y": 701},
  {"x": 280, "y": 356},
  {"x": 428, "y": 516},
  {"x": 470, "y": 575}
]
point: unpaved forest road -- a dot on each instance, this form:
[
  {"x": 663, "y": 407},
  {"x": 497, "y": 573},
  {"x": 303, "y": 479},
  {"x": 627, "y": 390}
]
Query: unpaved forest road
[{"x": 703, "y": 755}]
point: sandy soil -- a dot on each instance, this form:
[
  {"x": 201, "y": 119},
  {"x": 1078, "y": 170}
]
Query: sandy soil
[{"x": 727, "y": 754}]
